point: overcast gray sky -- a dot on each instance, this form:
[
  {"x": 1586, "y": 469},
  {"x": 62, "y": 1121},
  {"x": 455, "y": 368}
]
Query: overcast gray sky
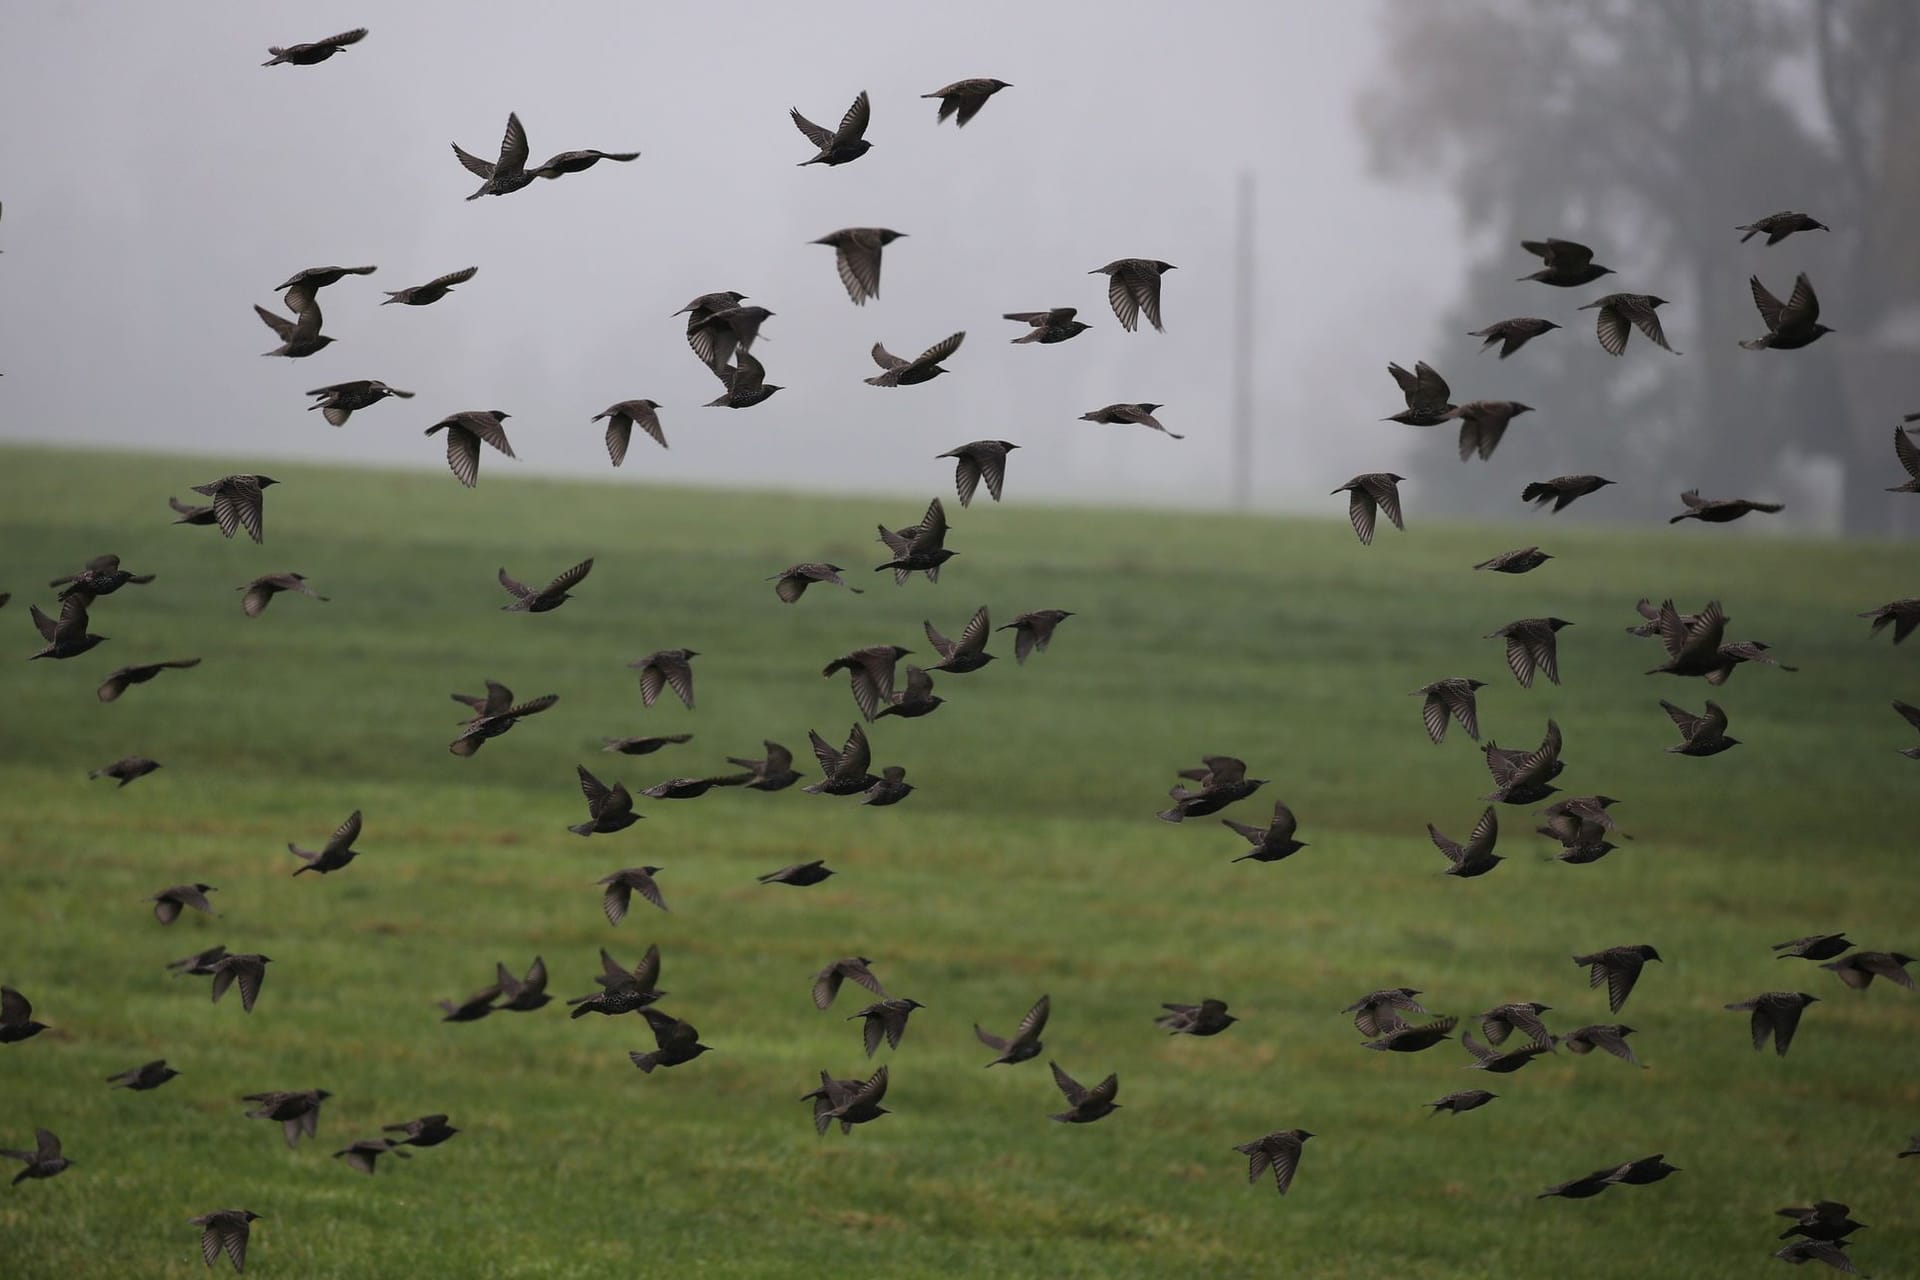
[{"x": 159, "y": 181}]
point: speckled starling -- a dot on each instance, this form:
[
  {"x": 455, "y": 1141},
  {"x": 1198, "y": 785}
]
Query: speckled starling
[
  {"x": 1476, "y": 857},
  {"x": 922, "y": 547},
  {"x": 361, "y": 1155},
  {"x": 746, "y": 383},
  {"x": 963, "y": 99},
  {"x": 1483, "y": 423},
  {"x": 1815, "y": 946},
  {"x": 1512, "y": 334},
  {"x": 580, "y": 161},
  {"x": 622, "y": 885},
  {"x": 1024, "y": 1045},
  {"x": 1140, "y": 413},
  {"x": 1133, "y": 286},
  {"x": 1776, "y": 1014},
  {"x": 1693, "y": 647},
  {"x": 168, "y": 903},
  {"x": 66, "y": 637},
  {"x": 1642, "y": 1172},
  {"x": 622, "y": 990},
  {"x": 1414, "y": 1039},
  {"x": 298, "y": 1111},
  {"x": 1903, "y": 614},
  {"x": 891, "y": 787},
  {"x": 126, "y": 769},
  {"x": 1862, "y": 967},
  {"x": 968, "y": 653},
  {"x": 1272, "y": 842},
  {"x": 1561, "y": 491},
  {"x": 1789, "y": 326},
  {"x": 792, "y": 582},
  {"x": 1034, "y": 631},
  {"x": 1278, "y": 1151},
  {"x": 1225, "y": 783},
  {"x": 1520, "y": 560},
  {"x": 1427, "y": 396},
  {"x": 496, "y": 714},
  {"x": 102, "y": 577},
  {"x": 1452, "y": 696},
  {"x": 800, "y": 874},
  {"x": 981, "y": 459},
  {"x": 225, "y": 1229},
  {"x": 16, "y": 1018},
  {"x": 1048, "y": 327},
  {"x": 341, "y": 400},
  {"x": 261, "y": 591},
  {"x": 1778, "y": 226},
  {"x": 1462, "y": 1100},
  {"x": 336, "y": 853},
  {"x": 838, "y": 146},
  {"x": 870, "y": 670},
  {"x": 1531, "y": 647},
  {"x": 465, "y": 431},
  {"x": 725, "y": 335},
  {"x": 427, "y": 1131},
  {"x": 1618, "y": 310},
  {"x": 1567, "y": 263},
  {"x": 916, "y": 700},
  {"x": 609, "y": 808},
  {"x": 1608, "y": 1036},
  {"x": 1720, "y": 510},
  {"x": 246, "y": 968},
  {"x": 238, "y": 503},
  {"x": 191, "y": 514},
  {"x": 148, "y": 1075},
  {"x": 622, "y": 418},
  {"x": 885, "y": 1018},
  {"x": 300, "y": 337},
  {"x": 1376, "y": 489},
  {"x": 1378, "y": 1012},
  {"x": 1208, "y": 1018},
  {"x": 1084, "y": 1105},
  {"x": 306, "y": 55},
  {"x": 473, "y": 1008},
  {"x": 432, "y": 291},
  {"x": 1618, "y": 968},
  {"x": 523, "y": 995},
  {"x": 299, "y": 289},
  {"x": 199, "y": 964},
  {"x": 676, "y": 1041},
  {"x": 1831, "y": 1252},
  {"x": 826, "y": 983},
  {"x": 1821, "y": 1220},
  {"x": 1702, "y": 735},
  {"x": 505, "y": 175},
  {"x": 1497, "y": 1061},
  {"x": 44, "y": 1161},
  {"x": 1503, "y": 1020},
  {"x": 925, "y": 367},
  {"x": 772, "y": 772},
  {"x": 857, "y": 255},
  {"x": 644, "y": 746},
  {"x": 666, "y": 669},
  {"x": 1581, "y": 1188},
  {"x": 857, "y": 1104},
  {"x": 527, "y": 600},
  {"x": 117, "y": 683}
]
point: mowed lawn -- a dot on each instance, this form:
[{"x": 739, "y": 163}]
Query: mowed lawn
[{"x": 1027, "y": 861}]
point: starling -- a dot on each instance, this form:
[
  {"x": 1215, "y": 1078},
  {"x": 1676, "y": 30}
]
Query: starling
[
  {"x": 421, "y": 295},
  {"x": 916, "y": 700},
  {"x": 305, "y": 55},
  {"x": 199, "y": 964},
  {"x": 189, "y": 514},
  {"x": 102, "y": 577},
  {"x": 1778, "y": 226},
  {"x": 465, "y": 431},
  {"x": 707, "y": 305},
  {"x": 965, "y": 97},
  {"x": 247, "y": 969},
  {"x": 1084, "y": 1105},
  {"x": 1501, "y": 1021},
  {"x": 148, "y": 1075},
  {"x": 1903, "y": 614},
  {"x": 1414, "y": 1039},
  {"x": 1733, "y": 654},
  {"x": 1522, "y": 560},
  {"x": 261, "y": 591},
  {"x": 66, "y": 637},
  {"x": 427, "y": 1131},
  {"x": 336, "y": 853},
  {"x": 1618, "y": 310},
  {"x": 1619, "y": 968},
  {"x": 857, "y": 255},
  {"x": 846, "y": 770},
  {"x": 496, "y": 713},
  {"x": 116, "y": 684},
  {"x": 683, "y": 788},
  {"x": 507, "y": 174},
  {"x": 1048, "y": 327},
  {"x": 126, "y": 768},
  {"x": 1208, "y": 1018},
  {"x": 1609, "y": 1036},
  {"x": 773, "y": 772},
  {"x": 549, "y": 597},
  {"x": 982, "y": 459},
  {"x": 1567, "y": 264},
  {"x": 299, "y": 337},
  {"x": 473, "y": 1008},
  {"x": 1272, "y": 842},
  {"x": 1704, "y": 734},
  {"x": 1831, "y": 1252},
  {"x": 1483, "y": 423},
  {"x": 1279, "y": 1151},
  {"x": 870, "y": 671},
  {"x": 921, "y": 547},
  {"x": 1862, "y": 967},
  {"x": 1512, "y": 334},
  {"x": 1581, "y": 841},
  {"x": 1580, "y": 1188},
  {"x": 622, "y": 990},
  {"x": 792, "y": 582},
  {"x": 1379, "y": 489},
  {"x": 1789, "y": 327},
  {"x": 1776, "y": 1014},
  {"x": 609, "y": 809},
  {"x": 168, "y": 903},
  {"x": 298, "y": 1112},
  {"x": 1464, "y": 1100},
  {"x": 16, "y": 1018},
  {"x": 1024, "y": 1045},
  {"x": 856, "y": 1104},
  {"x": 1140, "y": 414},
  {"x": 1911, "y": 714},
  {"x": 339, "y": 401},
  {"x": 1720, "y": 510},
  {"x": 968, "y": 653},
  {"x": 823, "y": 1101},
  {"x": 522, "y": 995},
  {"x": 1501, "y": 1062},
  {"x": 1476, "y": 857},
  {"x": 1561, "y": 491},
  {"x": 300, "y": 288},
  {"x": 225, "y": 1229},
  {"x": 800, "y": 874},
  {"x": 1531, "y": 647},
  {"x": 1034, "y": 631},
  {"x": 43, "y": 1162},
  {"x": 1821, "y": 1220},
  {"x": 1452, "y": 696},
  {"x": 238, "y": 503},
  {"x": 676, "y": 1042},
  {"x": 838, "y": 146},
  {"x": 1133, "y": 286},
  {"x": 1378, "y": 1012},
  {"x": 644, "y": 746},
  {"x": 891, "y": 787},
  {"x": 1693, "y": 647},
  {"x": 621, "y": 885},
  {"x": 826, "y": 983},
  {"x": 362, "y": 1154},
  {"x": 1913, "y": 1148},
  {"x": 1226, "y": 782},
  {"x": 726, "y": 334},
  {"x": 1582, "y": 810},
  {"x": 1426, "y": 393},
  {"x": 1909, "y": 455},
  {"x": 1642, "y": 1172},
  {"x": 746, "y": 383},
  {"x": 886, "y": 1018},
  {"x": 666, "y": 668},
  {"x": 622, "y": 418},
  {"x": 1815, "y": 946},
  {"x": 580, "y": 161},
  {"x": 925, "y": 367}
]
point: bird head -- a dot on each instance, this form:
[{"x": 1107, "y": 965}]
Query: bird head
[
  {"x": 1648, "y": 953},
  {"x": 1819, "y": 329},
  {"x": 497, "y": 415},
  {"x": 1654, "y": 301},
  {"x": 1002, "y": 84},
  {"x": 652, "y": 871},
  {"x": 264, "y": 481},
  {"x": 1476, "y": 684},
  {"x": 1301, "y": 1135},
  {"x": 886, "y": 237},
  {"x": 1165, "y": 266},
  {"x": 1556, "y": 623},
  {"x": 690, "y": 653},
  {"x": 1602, "y": 271},
  {"x": 911, "y": 1003},
  {"x": 319, "y": 1095},
  {"x": 251, "y": 1216},
  {"x": 1550, "y": 324},
  {"x": 1519, "y": 408},
  {"x": 1818, "y": 226},
  {"x": 1008, "y": 445},
  {"x": 204, "y": 888},
  {"x": 1604, "y": 482}
]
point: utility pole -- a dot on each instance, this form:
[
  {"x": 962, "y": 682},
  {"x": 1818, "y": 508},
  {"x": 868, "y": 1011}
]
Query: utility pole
[{"x": 1240, "y": 462}]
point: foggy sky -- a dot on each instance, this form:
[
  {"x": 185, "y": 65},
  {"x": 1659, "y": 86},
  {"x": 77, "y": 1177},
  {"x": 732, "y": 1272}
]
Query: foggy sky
[{"x": 159, "y": 181}]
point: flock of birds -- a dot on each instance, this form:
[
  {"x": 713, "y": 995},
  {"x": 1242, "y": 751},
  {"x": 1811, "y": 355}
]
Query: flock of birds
[{"x": 721, "y": 330}]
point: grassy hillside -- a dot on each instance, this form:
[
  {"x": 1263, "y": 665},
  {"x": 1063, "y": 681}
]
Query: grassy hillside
[{"x": 1027, "y": 861}]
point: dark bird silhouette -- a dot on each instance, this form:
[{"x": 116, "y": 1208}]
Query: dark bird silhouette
[
  {"x": 977, "y": 461},
  {"x": 1500, "y": 1062},
  {"x": 1024, "y": 1044},
  {"x": 126, "y": 769},
  {"x": 336, "y": 853},
  {"x": 1501, "y": 1021},
  {"x": 261, "y": 591},
  {"x": 726, "y": 335},
  {"x": 300, "y": 337},
  {"x": 1450, "y": 697},
  {"x": 1378, "y": 1012},
  {"x": 609, "y": 808},
  {"x": 297, "y": 1111},
  {"x": 683, "y": 788},
  {"x": 1133, "y": 287},
  {"x": 1084, "y": 1105},
  {"x": 549, "y": 597},
  {"x": 102, "y": 577},
  {"x": 772, "y": 772},
  {"x": 1034, "y": 631},
  {"x": 1512, "y": 334},
  {"x": 664, "y": 669},
  {"x": 247, "y": 969},
  {"x": 1519, "y": 560},
  {"x": 421, "y": 295},
  {"x": 427, "y": 1131},
  {"x": 885, "y": 1018},
  {"x": 1778, "y": 226},
  {"x": 1821, "y": 1220},
  {"x": 826, "y": 983},
  {"x": 199, "y": 964},
  {"x": 1375, "y": 489},
  {"x": 842, "y": 145},
  {"x": 853, "y": 1102},
  {"x": 706, "y": 306},
  {"x": 1693, "y": 647},
  {"x": 1776, "y": 1014},
  {"x": 1208, "y": 1018},
  {"x": 148, "y": 1075},
  {"x": 1463, "y": 1100},
  {"x": 361, "y": 1155},
  {"x": 238, "y": 503},
  {"x": 1272, "y": 842},
  {"x": 16, "y": 1018},
  {"x": 823, "y": 1101},
  {"x": 302, "y": 287},
  {"x": 1476, "y": 857},
  {"x": 495, "y": 713},
  {"x": 622, "y": 885},
  {"x": 922, "y": 547},
  {"x": 1130, "y": 414},
  {"x": 1815, "y": 946},
  {"x": 870, "y": 671},
  {"x": 1531, "y": 647},
  {"x": 1483, "y": 423},
  {"x": 342, "y": 400},
  {"x": 1618, "y": 310},
  {"x": 465, "y": 431},
  {"x": 1642, "y": 1172},
  {"x": 1048, "y": 327},
  {"x": 1702, "y": 735},
  {"x": 676, "y": 1042},
  {"x": 622, "y": 990},
  {"x": 1567, "y": 263},
  {"x": 1427, "y": 394},
  {"x": 1792, "y": 325},
  {"x": 891, "y": 787},
  {"x": 225, "y": 1229},
  {"x": 1909, "y": 455},
  {"x": 505, "y": 175},
  {"x": 963, "y": 99},
  {"x": 580, "y": 161},
  {"x": 1278, "y": 1151},
  {"x": 746, "y": 384},
  {"x": 645, "y": 746},
  {"x": 117, "y": 683},
  {"x": 1862, "y": 967},
  {"x": 925, "y": 367},
  {"x": 792, "y": 582},
  {"x": 1903, "y": 614},
  {"x": 968, "y": 653},
  {"x": 473, "y": 1008},
  {"x": 1911, "y": 714},
  {"x": 800, "y": 874},
  {"x": 1913, "y": 1148},
  {"x": 168, "y": 903},
  {"x": 622, "y": 418},
  {"x": 1225, "y": 783},
  {"x": 1581, "y": 1188},
  {"x": 1732, "y": 654},
  {"x": 1414, "y": 1039},
  {"x": 916, "y": 700},
  {"x": 1720, "y": 510},
  {"x": 857, "y": 255},
  {"x": 522, "y": 995},
  {"x": 190, "y": 514},
  {"x": 1561, "y": 491},
  {"x": 1831, "y": 1252},
  {"x": 847, "y": 771},
  {"x": 1608, "y": 1036},
  {"x": 306, "y": 55},
  {"x": 44, "y": 1161},
  {"x": 1618, "y": 968}
]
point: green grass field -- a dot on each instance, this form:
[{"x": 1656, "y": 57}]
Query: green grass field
[{"x": 1027, "y": 861}]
